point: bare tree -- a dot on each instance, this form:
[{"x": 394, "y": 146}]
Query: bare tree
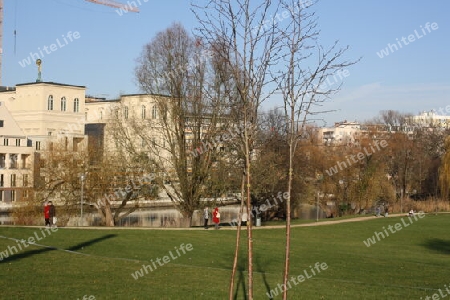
[
  {"x": 110, "y": 185},
  {"x": 301, "y": 78},
  {"x": 59, "y": 178},
  {"x": 248, "y": 47},
  {"x": 181, "y": 141}
]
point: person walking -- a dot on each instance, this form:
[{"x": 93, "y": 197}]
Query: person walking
[
  {"x": 206, "y": 217},
  {"x": 47, "y": 214},
  {"x": 216, "y": 217},
  {"x": 52, "y": 213}
]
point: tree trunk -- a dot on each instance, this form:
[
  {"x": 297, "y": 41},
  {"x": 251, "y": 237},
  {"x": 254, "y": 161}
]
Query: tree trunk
[
  {"x": 250, "y": 222},
  {"x": 109, "y": 219},
  {"x": 292, "y": 141},
  {"x": 238, "y": 237}
]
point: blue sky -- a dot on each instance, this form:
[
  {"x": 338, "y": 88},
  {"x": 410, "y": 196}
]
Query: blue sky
[{"x": 102, "y": 52}]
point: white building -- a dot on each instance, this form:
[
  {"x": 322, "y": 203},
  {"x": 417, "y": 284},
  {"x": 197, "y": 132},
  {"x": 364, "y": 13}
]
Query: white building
[
  {"x": 16, "y": 158},
  {"x": 33, "y": 116},
  {"x": 343, "y": 133},
  {"x": 429, "y": 119}
]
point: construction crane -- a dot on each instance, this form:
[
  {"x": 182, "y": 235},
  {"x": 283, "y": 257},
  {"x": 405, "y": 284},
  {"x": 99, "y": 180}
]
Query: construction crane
[
  {"x": 115, "y": 4},
  {"x": 110, "y": 3}
]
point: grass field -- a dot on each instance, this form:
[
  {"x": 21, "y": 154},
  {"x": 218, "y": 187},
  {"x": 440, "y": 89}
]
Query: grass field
[{"x": 411, "y": 263}]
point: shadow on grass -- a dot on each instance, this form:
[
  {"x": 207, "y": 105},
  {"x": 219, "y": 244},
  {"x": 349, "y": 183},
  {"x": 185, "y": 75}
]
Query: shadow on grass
[
  {"x": 17, "y": 256},
  {"x": 91, "y": 242},
  {"x": 240, "y": 284},
  {"x": 241, "y": 281},
  {"x": 438, "y": 245},
  {"x": 263, "y": 275}
]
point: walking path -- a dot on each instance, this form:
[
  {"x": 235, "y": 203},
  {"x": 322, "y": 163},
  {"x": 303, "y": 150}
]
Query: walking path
[{"x": 320, "y": 223}]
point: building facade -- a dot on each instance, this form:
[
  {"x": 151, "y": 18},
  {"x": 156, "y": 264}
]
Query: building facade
[{"x": 34, "y": 117}]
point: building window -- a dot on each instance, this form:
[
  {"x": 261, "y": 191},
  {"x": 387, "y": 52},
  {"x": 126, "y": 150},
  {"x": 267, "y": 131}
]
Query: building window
[
  {"x": 143, "y": 112},
  {"x": 13, "y": 161},
  {"x": 2, "y": 180},
  {"x": 1, "y": 123},
  {"x": 25, "y": 179},
  {"x": 25, "y": 193},
  {"x": 154, "y": 112},
  {"x": 38, "y": 145},
  {"x": 125, "y": 112},
  {"x": 50, "y": 103},
  {"x": 13, "y": 195},
  {"x": 18, "y": 142},
  {"x": 5, "y": 142},
  {"x": 63, "y": 104},
  {"x": 13, "y": 180},
  {"x": 76, "y": 105}
]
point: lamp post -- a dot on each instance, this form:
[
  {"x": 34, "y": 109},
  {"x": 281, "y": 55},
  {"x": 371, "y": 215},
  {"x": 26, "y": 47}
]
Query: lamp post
[
  {"x": 317, "y": 207},
  {"x": 319, "y": 178},
  {"x": 82, "y": 187}
]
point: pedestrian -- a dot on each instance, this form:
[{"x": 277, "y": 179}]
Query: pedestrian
[
  {"x": 377, "y": 211},
  {"x": 52, "y": 213},
  {"x": 216, "y": 217},
  {"x": 206, "y": 217},
  {"x": 47, "y": 214}
]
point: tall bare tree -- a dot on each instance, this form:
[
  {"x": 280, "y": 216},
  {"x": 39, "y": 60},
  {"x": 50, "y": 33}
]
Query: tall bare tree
[
  {"x": 248, "y": 42},
  {"x": 302, "y": 79},
  {"x": 182, "y": 141}
]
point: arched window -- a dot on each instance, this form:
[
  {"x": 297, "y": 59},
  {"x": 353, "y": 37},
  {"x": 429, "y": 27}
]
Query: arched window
[
  {"x": 63, "y": 104},
  {"x": 143, "y": 112},
  {"x": 76, "y": 105},
  {"x": 125, "y": 112},
  {"x": 50, "y": 103},
  {"x": 154, "y": 112}
]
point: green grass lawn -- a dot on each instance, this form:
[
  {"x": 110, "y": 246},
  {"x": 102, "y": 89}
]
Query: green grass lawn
[{"x": 411, "y": 263}]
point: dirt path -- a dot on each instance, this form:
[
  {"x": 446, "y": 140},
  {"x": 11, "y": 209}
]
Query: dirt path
[{"x": 358, "y": 219}]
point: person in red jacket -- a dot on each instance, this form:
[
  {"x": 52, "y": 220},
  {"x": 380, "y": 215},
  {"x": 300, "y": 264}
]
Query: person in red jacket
[
  {"x": 47, "y": 214},
  {"x": 216, "y": 217}
]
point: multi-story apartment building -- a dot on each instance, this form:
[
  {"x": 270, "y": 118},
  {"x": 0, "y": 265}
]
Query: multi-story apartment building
[
  {"x": 35, "y": 116},
  {"x": 103, "y": 115},
  {"x": 343, "y": 133},
  {"x": 16, "y": 158}
]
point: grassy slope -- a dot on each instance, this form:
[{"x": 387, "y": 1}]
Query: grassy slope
[{"x": 411, "y": 263}]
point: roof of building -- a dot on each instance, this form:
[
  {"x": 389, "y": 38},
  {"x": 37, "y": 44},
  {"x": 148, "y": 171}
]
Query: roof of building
[{"x": 51, "y": 83}]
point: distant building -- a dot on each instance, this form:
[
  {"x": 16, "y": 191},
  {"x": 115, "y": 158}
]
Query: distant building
[
  {"x": 343, "y": 133},
  {"x": 429, "y": 119}
]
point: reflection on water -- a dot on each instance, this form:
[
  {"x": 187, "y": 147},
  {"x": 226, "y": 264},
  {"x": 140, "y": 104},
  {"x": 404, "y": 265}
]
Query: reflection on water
[{"x": 170, "y": 217}]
